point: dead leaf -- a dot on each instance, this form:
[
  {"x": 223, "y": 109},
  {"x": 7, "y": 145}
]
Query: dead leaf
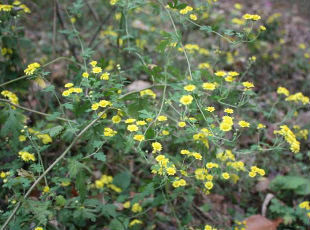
[{"x": 258, "y": 222}]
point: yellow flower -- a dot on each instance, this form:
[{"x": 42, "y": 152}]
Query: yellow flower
[
  {"x": 39, "y": 228},
  {"x": 157, "y": 147},
  {"x": 136, "y": 207},
  {"x": 132, "y": 128},
  {"x": 22, "y": 138},
  {"x": 108, "y": 132},
  {"x": 141, "y": 123},
  {"x": 171, "y": 171},
  {"x": 96, "y": 70},
  {"x": 165, "y": 132},
  {"x": 85, "y": 75},
  {"x": 252, "y": 174},
  {"x": 229, "y": 111},
  {"x": 113, "y": 2},
  {"x": 181, "y": 124},
  {"x": 185, "y": 152},
  {"x": 95, "y": 106},
  {"x": 139, "y": 137},
  {"x": 248, "y": 85},
  {"x": 116, "y": 119},
  {"x": 261, "y": 126},
  {"x": 244, "y": 124},
  {"x": 93, "y": 63},
  {"x": 256, "y": 17},
  {"x": 130, "y": 120},
  {"x": 189, "y": 88},
  {"x": 208, "y": 227},
  {"x": 247, "y": 16},
  {"x": 46, "y": 189},
  {"x": 134, "y": 222},
  {"x": 209, "y": 185},
  {"x": 31, "y": 68},
  {"x": 238, "y": 6},
  {"x": 209, "y": 86},
  {"x": 26, "y": 156},
  {"x": 220, "y": 73},
  {"x": 262, "y": 28},
  {"x": 210, "y": 109},
  {"x": 162, "y": 118},
  {"x": 104, "y": 103},
  {"x": 204, "y": 65},
  {"x": 284, "y": 91},
  {"x": 186, "y": 99},
  {"x": 69, "y": 85},
  {"x": 105, "y": 76},
  {"x": 126, "y": 204},
  {"x": 226, "y": 175},
  {"x": 193, "y": 17}
]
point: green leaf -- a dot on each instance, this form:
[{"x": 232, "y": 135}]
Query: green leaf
[
  {"x": 298, "y": 184},
  {"x": 74, "y": 167},
  {"x": 206, "y": 28},
  {"x": 100, "y": 156},
  {"x": 109, "y": 210},
  {"x": 54, "y": 131},
  {"x": 116, "y": 225},
  {"x": 122, "y": 180}
]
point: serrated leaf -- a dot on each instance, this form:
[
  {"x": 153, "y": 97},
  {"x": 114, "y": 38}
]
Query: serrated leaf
[
  {"x": 54, "y": 131},
  {"x": 100, "y": 156}
]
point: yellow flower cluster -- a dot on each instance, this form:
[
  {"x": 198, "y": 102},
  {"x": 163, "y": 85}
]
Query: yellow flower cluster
[
  {"x": 11, "y": 96},
  {"x": 196, "y": 155},
  {"x": 227, "y": 155},
  {"x": 45, "y": 138},
  {"x": 179, "y": 183},
  {"x": 108, "y": 132},
  {"x": 31, "y": 68},
  {"x": 290, "y": 138},
  {"x": 229, "y": 76},
  {"x": 305, "y": 205},
  {"x": 253, "y": 17},
  {"x": 186, "y": 10},
  {"x": 255, "y": 170},
  {"x": 102, "y": 104},
  {"x": 6, "y": 51},
  {"x": 298, "y": 97},
  {"x": 203, "y": 136},
  {"x": 148, "y": 92},
  {"x": 192, "y": 48},
  {"x": 237, "y": 165},
  {"x": 71, "y": 90},
  {"x": 164, "y": 166},
  {"x": 26, "y": 156},
  {"x": 4, "y": 7},
  {"x": 106, "y": 180},
  {"x": 226, "y": 124}
]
